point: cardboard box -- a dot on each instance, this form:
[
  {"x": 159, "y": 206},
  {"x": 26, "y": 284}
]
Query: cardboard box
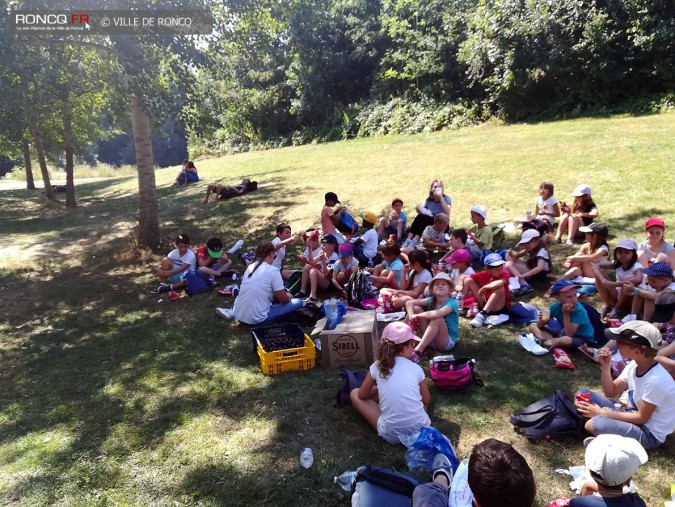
[{"x": 353, "y": 341}]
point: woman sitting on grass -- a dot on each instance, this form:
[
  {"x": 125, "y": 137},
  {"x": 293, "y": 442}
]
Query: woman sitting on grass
[{"x": 394, "y": 395}]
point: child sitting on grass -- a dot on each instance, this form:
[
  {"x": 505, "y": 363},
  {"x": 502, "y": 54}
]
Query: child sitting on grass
[
  {"x": 480, "y": 233},
  {"x": 212, "y": 259},
  {"x": 655, "y": 248},
  {"x": 659, "y": 280},
  {"x": 173, "y": 267},
  {"x": 438, "y": 317},
  {"x": 612, "y": 460},
  {"x": 365, "y": 246},
  {"x": 538, "y": 264},
  {"x": 592, "y": 253},
  {"x": 394, "y": 395},
  {"x": 649, "y": 416},
  {"x": 283, "y": 238},
  {"x": 343, "y": 269},
  {"x": 628, "y": 270},
  {"x": 388, "y": 273},
  {"x": 417, "y": 275},
  {"x": 569, "y": 324},
  {"x": 394, "y": 224},
  {"x": 309, "y": 259},
  {"x": 317, "y": 270},
  {"x": 457, "y": 241},
  {"x": 490, "y": 289},
  {"x": 546, "y": 206},
  {"x": 433, "y": 236}
]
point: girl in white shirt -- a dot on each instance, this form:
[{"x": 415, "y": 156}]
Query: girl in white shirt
[
  {"x": 592, "y": 253},
  {"x": 394, "y": 395},
  {"x": 628, "y": 270},
  {"x": 546, "y": 206}
]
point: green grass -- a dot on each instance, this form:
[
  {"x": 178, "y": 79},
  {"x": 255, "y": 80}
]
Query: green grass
[{"x": 109, "y": 397}]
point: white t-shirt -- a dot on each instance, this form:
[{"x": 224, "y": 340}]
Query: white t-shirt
[
  {"x": 400, "y": 400},
  {"x": 315, "y": 253},
  {"x": 665, "y": 249},
  {"x": 189, "y": 258},
  {"x": 370, "y": 243},
  {"x": 423, "y": 277},
  {"x": 658, "y": 388},
  {"x": 255, "y": 295},
  {"x": 622, "y": 274},
  {"x": 281, "y": 253},
  {"x": 547, "y": 207},
  {"x": 338, "y": 267}
]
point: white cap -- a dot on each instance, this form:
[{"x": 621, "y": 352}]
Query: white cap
[
  {"x": 581, "y": 190},
  {"x": 613, "y": 458},
  {"x": 480, "y": 210},
  {"x": 528, "y": 235}
]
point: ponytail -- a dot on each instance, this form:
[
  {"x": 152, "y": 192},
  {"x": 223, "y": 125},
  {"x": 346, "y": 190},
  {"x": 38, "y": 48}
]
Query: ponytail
[
  {"x": 386, "y": 356},
  {"x": 261, "y": 252}
]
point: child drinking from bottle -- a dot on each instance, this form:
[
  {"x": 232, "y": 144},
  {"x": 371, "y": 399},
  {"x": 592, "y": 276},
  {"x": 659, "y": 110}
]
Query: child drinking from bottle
[
  {"x": 394, "y": 395},
  {"x": 437, "y": 315}
]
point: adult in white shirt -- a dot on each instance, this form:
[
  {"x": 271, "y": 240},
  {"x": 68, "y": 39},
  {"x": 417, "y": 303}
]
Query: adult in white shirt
[{"x": 262, "y": 298}]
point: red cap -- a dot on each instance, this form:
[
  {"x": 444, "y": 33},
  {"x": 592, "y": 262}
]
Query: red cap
[{"x": 655, "y": 221}]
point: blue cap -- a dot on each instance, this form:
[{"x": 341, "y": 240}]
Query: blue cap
[
  {"x": 659, "y": 269},
  {"x": 493, "y": 260},
  {"x": 562, "y": 286}
]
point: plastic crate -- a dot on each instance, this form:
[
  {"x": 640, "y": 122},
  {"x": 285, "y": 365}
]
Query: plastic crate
[{"x": 300, "y": 358}]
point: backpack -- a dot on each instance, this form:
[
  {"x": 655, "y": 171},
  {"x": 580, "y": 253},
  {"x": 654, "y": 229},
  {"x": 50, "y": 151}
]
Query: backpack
[
  {"x": 308, "y": 315},
  {"x": 292, "y": 283},
  {"x": 247, "y": 257},
  {"x": 350, "y": 380},
  {"x": 374, "y": 487},
  {"x": 359, "y": 287},
  {"x": 599, "y": 338},
  {"x": 453, "y": 374},
  {"x": 196, "y": 282},
  {"x": 347, "y": 224},
  {"x": 552, "y": 418},
  {"x": 498, "y": 235}
]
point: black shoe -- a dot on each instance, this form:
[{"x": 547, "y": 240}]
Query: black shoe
[{"x": 161, "y": 288}]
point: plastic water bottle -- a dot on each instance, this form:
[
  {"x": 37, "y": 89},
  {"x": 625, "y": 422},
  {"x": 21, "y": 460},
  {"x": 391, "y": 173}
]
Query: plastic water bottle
[
  {"x": 460, "y": 301},
  {"x": 306, "y": 457},
  {"x": 370, "y": 263},
  {"x": 345, "y": 480}
]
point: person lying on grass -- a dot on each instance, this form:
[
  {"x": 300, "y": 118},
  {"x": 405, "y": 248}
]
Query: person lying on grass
[
  {"x": 569, "y": 324},
  {"x": 437, "y": 316},
  {"x": 394, "y": 395},
  {"x": 649, "y": 415},
  {"x": 226, "y": 191}
]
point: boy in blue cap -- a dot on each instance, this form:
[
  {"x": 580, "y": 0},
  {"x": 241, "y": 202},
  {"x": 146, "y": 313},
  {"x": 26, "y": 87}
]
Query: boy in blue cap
[{"x": 569, "y": 325}]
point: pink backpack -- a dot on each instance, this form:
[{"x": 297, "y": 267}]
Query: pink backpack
[{"x": 452, "y": 374}]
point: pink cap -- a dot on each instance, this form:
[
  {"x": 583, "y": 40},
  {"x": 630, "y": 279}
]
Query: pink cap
[
  {"x": 655, "y": 221},
  {"x": 398, "y": 332},
  {"x": 460, "y": 255}
]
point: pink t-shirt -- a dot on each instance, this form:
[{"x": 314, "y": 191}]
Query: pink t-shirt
[{"x": 327, "y": 225}]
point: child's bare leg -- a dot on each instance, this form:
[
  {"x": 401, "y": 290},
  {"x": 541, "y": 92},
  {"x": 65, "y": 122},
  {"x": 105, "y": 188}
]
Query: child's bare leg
[
  {"x": 496, "y": 301},
  {"x": 587, "y": 270},
  {"x": 562, "y": 228},
  {"x": 369, "y": 409},
  {"x": 436, "y": 333},
  {"x": 165, "y": 265},
  {"x": 317, "y": 281},
  {"x": 384, "y": 222},
  {"x": 539, "y": 332},
  {"x": 515, "y": 266},
  {"x": 571, "y": 273},
  {"x": 304, "y": 281},
  {"x": 399, "y": 301},
  {"x": 399, "y": 229},
  {"x": 471, "y": 286},
  {"x": 648, "y": 310},
  {"x": 573, "y": 228},
  {"x": 208, "y": 192},
  {"x": 637, "y": 306},
  {"x": 563, "y": 341}
]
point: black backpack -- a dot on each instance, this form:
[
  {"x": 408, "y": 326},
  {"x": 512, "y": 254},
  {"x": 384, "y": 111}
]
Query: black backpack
[
  {"x": 350, "y": 380},
  {"x": 552, "y": 418},
  {"x": 598, "y": 326},
  {"x": 359, "y": 287},
  {"x": 308, "y": 315},
  {"x": 379, "y": 486},
  {"x": 542, "y": 226}
]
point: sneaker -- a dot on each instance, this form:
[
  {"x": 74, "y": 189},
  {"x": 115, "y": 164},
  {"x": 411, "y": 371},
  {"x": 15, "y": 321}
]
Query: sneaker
[
  {"x": 441, "y": 465},
  {"x": 236, "y": 246},
  {"x": 161, "y": 288},
  {"x": 212, "y": 282},
  {"x": 313, "y": 301},
  {"x": 478, "y": 320},
  {"x": 225, "y": 313},
  {"x": 472, "y": 311},
  {"x": 495, "y": 320},
  {"x": 416, "y": 356},
  {"x": 525, "y": 288}
]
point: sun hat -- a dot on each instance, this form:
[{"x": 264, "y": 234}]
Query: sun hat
[
  {"x": 440, "y": 276},
  {"x": 461, "y": 255},
  {"x": 664, "y": 307},
  {"x": 581, "y": 190},
  {"x": 493, "y": 260},
  {"x": 655, "y": 221},
  {"x": 369, "y": 217},
  {"x": 215, "y": 248},
  {"x": 613, "y": 459},
  {"x": 331, "y": 196},
  {"x": 636, "y": 332},
  {"x": 528, "y": 236},
  {"x": 480, "y": 210},
  {"x": 398, "y": 332},
  {"x": 330, "y": 239},
  {"x": 659, "y": 269},
  {"x": 627, "y": 244},
  {"x": 560, "y": 286}
]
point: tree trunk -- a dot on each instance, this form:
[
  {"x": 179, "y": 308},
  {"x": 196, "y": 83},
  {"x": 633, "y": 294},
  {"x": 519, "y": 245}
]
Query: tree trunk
[
  {"x": 148, "y": 219},
  {"x": 68, "y": 144},
  {"x": 37, "y": 137},
  {"x": 30, "y": 183}
]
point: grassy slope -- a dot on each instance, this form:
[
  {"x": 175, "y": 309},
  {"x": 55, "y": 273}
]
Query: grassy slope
[{"x": 109, "y": 397}]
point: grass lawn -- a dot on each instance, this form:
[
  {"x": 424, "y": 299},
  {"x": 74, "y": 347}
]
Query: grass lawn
[{"x": 110, "y": 397}]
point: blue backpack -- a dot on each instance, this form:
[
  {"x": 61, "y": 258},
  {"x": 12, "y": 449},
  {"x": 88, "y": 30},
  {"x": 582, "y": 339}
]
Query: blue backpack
[
  {"x": 348, "y": 224},
  {"x": 598, "y": 326},
  {"x": 196, "y": 282}
]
